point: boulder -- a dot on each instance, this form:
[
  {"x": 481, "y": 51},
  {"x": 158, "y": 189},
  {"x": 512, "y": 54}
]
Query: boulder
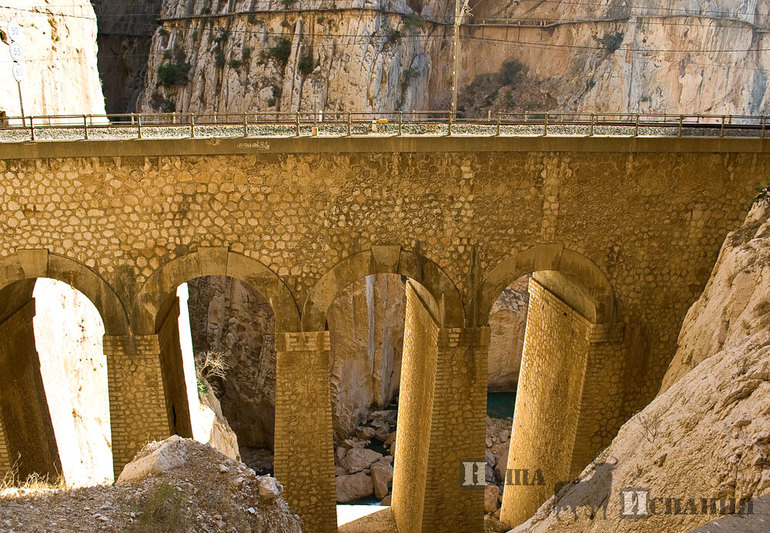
[
  {"x": 358, "y": 459},
  {"x": 269, "y": 488},
  {"x": 491, "y": 498},
  {"x": 352, "y": 487},
  {"x": 156, "y": 459},
  {"x": 365, "y": 433},
  {"x": 387, "y": 499},
  {"x": 382, "y": 477}
]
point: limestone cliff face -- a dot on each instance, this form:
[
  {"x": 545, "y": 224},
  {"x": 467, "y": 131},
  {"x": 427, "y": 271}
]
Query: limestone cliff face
[
  {"x": 735, "y": 303},
  {"x": 378, "y": 55},
  {"x": 323, "y": 55},
  {"x": 125, "y": 35},
  {"x": 228, "y": 316},
  {"x": 68, "y": 340},
  {"x": 674, "y": 56},
  {"x": 507, "y": 323},
  {"x": 366, "y": 324},
  {"x": 706, "y": 435},
  {"x": 59, "y": 44}
]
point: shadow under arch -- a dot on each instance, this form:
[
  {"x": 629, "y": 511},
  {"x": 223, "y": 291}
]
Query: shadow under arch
[
  {"x": 578, "y": 280},
  {"x": 384, "y": 260},
  {"x": 40, "y": 263},
  {"x": 158, "y": 292}
]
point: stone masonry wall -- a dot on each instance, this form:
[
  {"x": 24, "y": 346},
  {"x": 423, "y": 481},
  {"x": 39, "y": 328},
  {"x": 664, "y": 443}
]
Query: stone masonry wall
[
  {"x": 137, "y": 407},
  {"x": 5, "y": 461},
  {"x": 300, "y": 214},
  {"x": 547, "y": 404}
]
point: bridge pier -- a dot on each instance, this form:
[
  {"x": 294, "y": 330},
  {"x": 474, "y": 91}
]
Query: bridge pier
[
  {"x": 137, "y": 405},
  {"x": 441, "y": 421},
  {"x": 568, "y": 391},
  {"x": 27, "y": 430},
  {"x": 304, "y": 448}
]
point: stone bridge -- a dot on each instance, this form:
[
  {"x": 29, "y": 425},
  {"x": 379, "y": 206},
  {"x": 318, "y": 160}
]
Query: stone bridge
[{"x": 621, "y": 235}]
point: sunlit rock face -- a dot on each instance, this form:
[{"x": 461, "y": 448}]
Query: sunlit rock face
[
  {"x": 507, "y": 322},
  {"x": 68, "y": 339},
  {"x": 366, "y": 325},
  {"x": 59, "y": 46},
  {"x": 672, "y": 56}
]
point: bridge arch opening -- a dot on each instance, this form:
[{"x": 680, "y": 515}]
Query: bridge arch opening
[
  {"x": 215, "y": 314},
  {"x": 569, "y": 367},
  {"x": 383, "y": 309},
  {"x": 55, "y": 397}
]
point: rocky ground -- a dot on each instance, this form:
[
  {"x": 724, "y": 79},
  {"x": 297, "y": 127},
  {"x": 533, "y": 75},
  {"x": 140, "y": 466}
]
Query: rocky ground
[{"x": 177, "y": 485}]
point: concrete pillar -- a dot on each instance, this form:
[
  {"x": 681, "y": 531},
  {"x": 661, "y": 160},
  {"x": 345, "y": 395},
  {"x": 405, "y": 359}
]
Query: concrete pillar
[
  {"x": 172, "y": 370},
  {"x": 137, "y": 406},
  {"x": 415, "y": 412},
  {"x": 458, "y": 432},
  {"x": 304, "y": 448},
  {"x": 26, "y": 421},
  {"x": 548, "y": 404}
]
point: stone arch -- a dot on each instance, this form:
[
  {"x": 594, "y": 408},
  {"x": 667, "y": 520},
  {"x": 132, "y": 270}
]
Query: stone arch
[
  {"x": 384, "y": 260},
  {"x": 591, "y": 292},
  {"x": 39, "y": 263},
  {"x": 158, "y": 291}
]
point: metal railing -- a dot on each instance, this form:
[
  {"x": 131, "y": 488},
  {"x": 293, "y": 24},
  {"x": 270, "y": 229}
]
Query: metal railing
[{"x": 397, "y": 123}]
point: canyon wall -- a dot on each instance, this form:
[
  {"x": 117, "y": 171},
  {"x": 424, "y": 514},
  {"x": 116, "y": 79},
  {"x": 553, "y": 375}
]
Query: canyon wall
[
  {"x": 124, "y": 38},
  {"x": 58, "y": 40},
  {"x": 379, "y": 55}
]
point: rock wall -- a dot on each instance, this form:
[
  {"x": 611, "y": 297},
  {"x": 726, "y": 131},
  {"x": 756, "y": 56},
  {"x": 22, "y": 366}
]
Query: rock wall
[
  {"x": 228, "y": 316},
  {"x": 673, "y": 56},
  {"x": 329, "y": 55},
  {"x": 59, "y": 44},
  {"x": 507, "y": 322},
  {"x": 366, "y": 325},
  {"x": 68, "y": 340},
  {"x": 705, "y": 437},
  {"x": 125, "y": 35},
  {"x": 268, "y": 55}
]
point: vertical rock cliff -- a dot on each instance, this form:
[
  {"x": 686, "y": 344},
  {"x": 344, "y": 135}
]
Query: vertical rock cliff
[{"x": 58, "y": 38}]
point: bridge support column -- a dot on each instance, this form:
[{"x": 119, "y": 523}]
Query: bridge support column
[
  {"x": 137, "y": 406},
  {"x": 458, "y": 432},
  {"x": 304, "y": 448},
  {"x": 441, "y": 422},
  {"x": 26, "y": 420},
  {"x": 563, "y": 397}
]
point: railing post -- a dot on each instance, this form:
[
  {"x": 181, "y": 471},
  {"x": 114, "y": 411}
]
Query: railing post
[
  {"x": 764, "y": 121},
  {"x": 349, "y": 123},
  {"x": 400, "y": 121},
  {"x": 722, "y": 129},
  {"x": 545, "y": 126},
  {"x": 498, "y": 125},
  {"x": 681, "y": 120},
  {"x": 591, "y": 131},
  {"x": 296, "y": 116},
  {"x": 449, "y": 125},
  {"x": 245, "y": 124},
  {"x": 636, "y": 126},
  {"x": 192, "y": 125},
  {"x": 32, "y": 127},
  {"x": 85, "y": 127},
  {"x": 139, "y": 126}
]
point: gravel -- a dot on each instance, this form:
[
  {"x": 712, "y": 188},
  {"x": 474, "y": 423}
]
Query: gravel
[{"x": 326, "y": 130}]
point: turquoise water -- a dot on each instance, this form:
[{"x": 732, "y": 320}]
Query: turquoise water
[{"x": 500, "y": 404}]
